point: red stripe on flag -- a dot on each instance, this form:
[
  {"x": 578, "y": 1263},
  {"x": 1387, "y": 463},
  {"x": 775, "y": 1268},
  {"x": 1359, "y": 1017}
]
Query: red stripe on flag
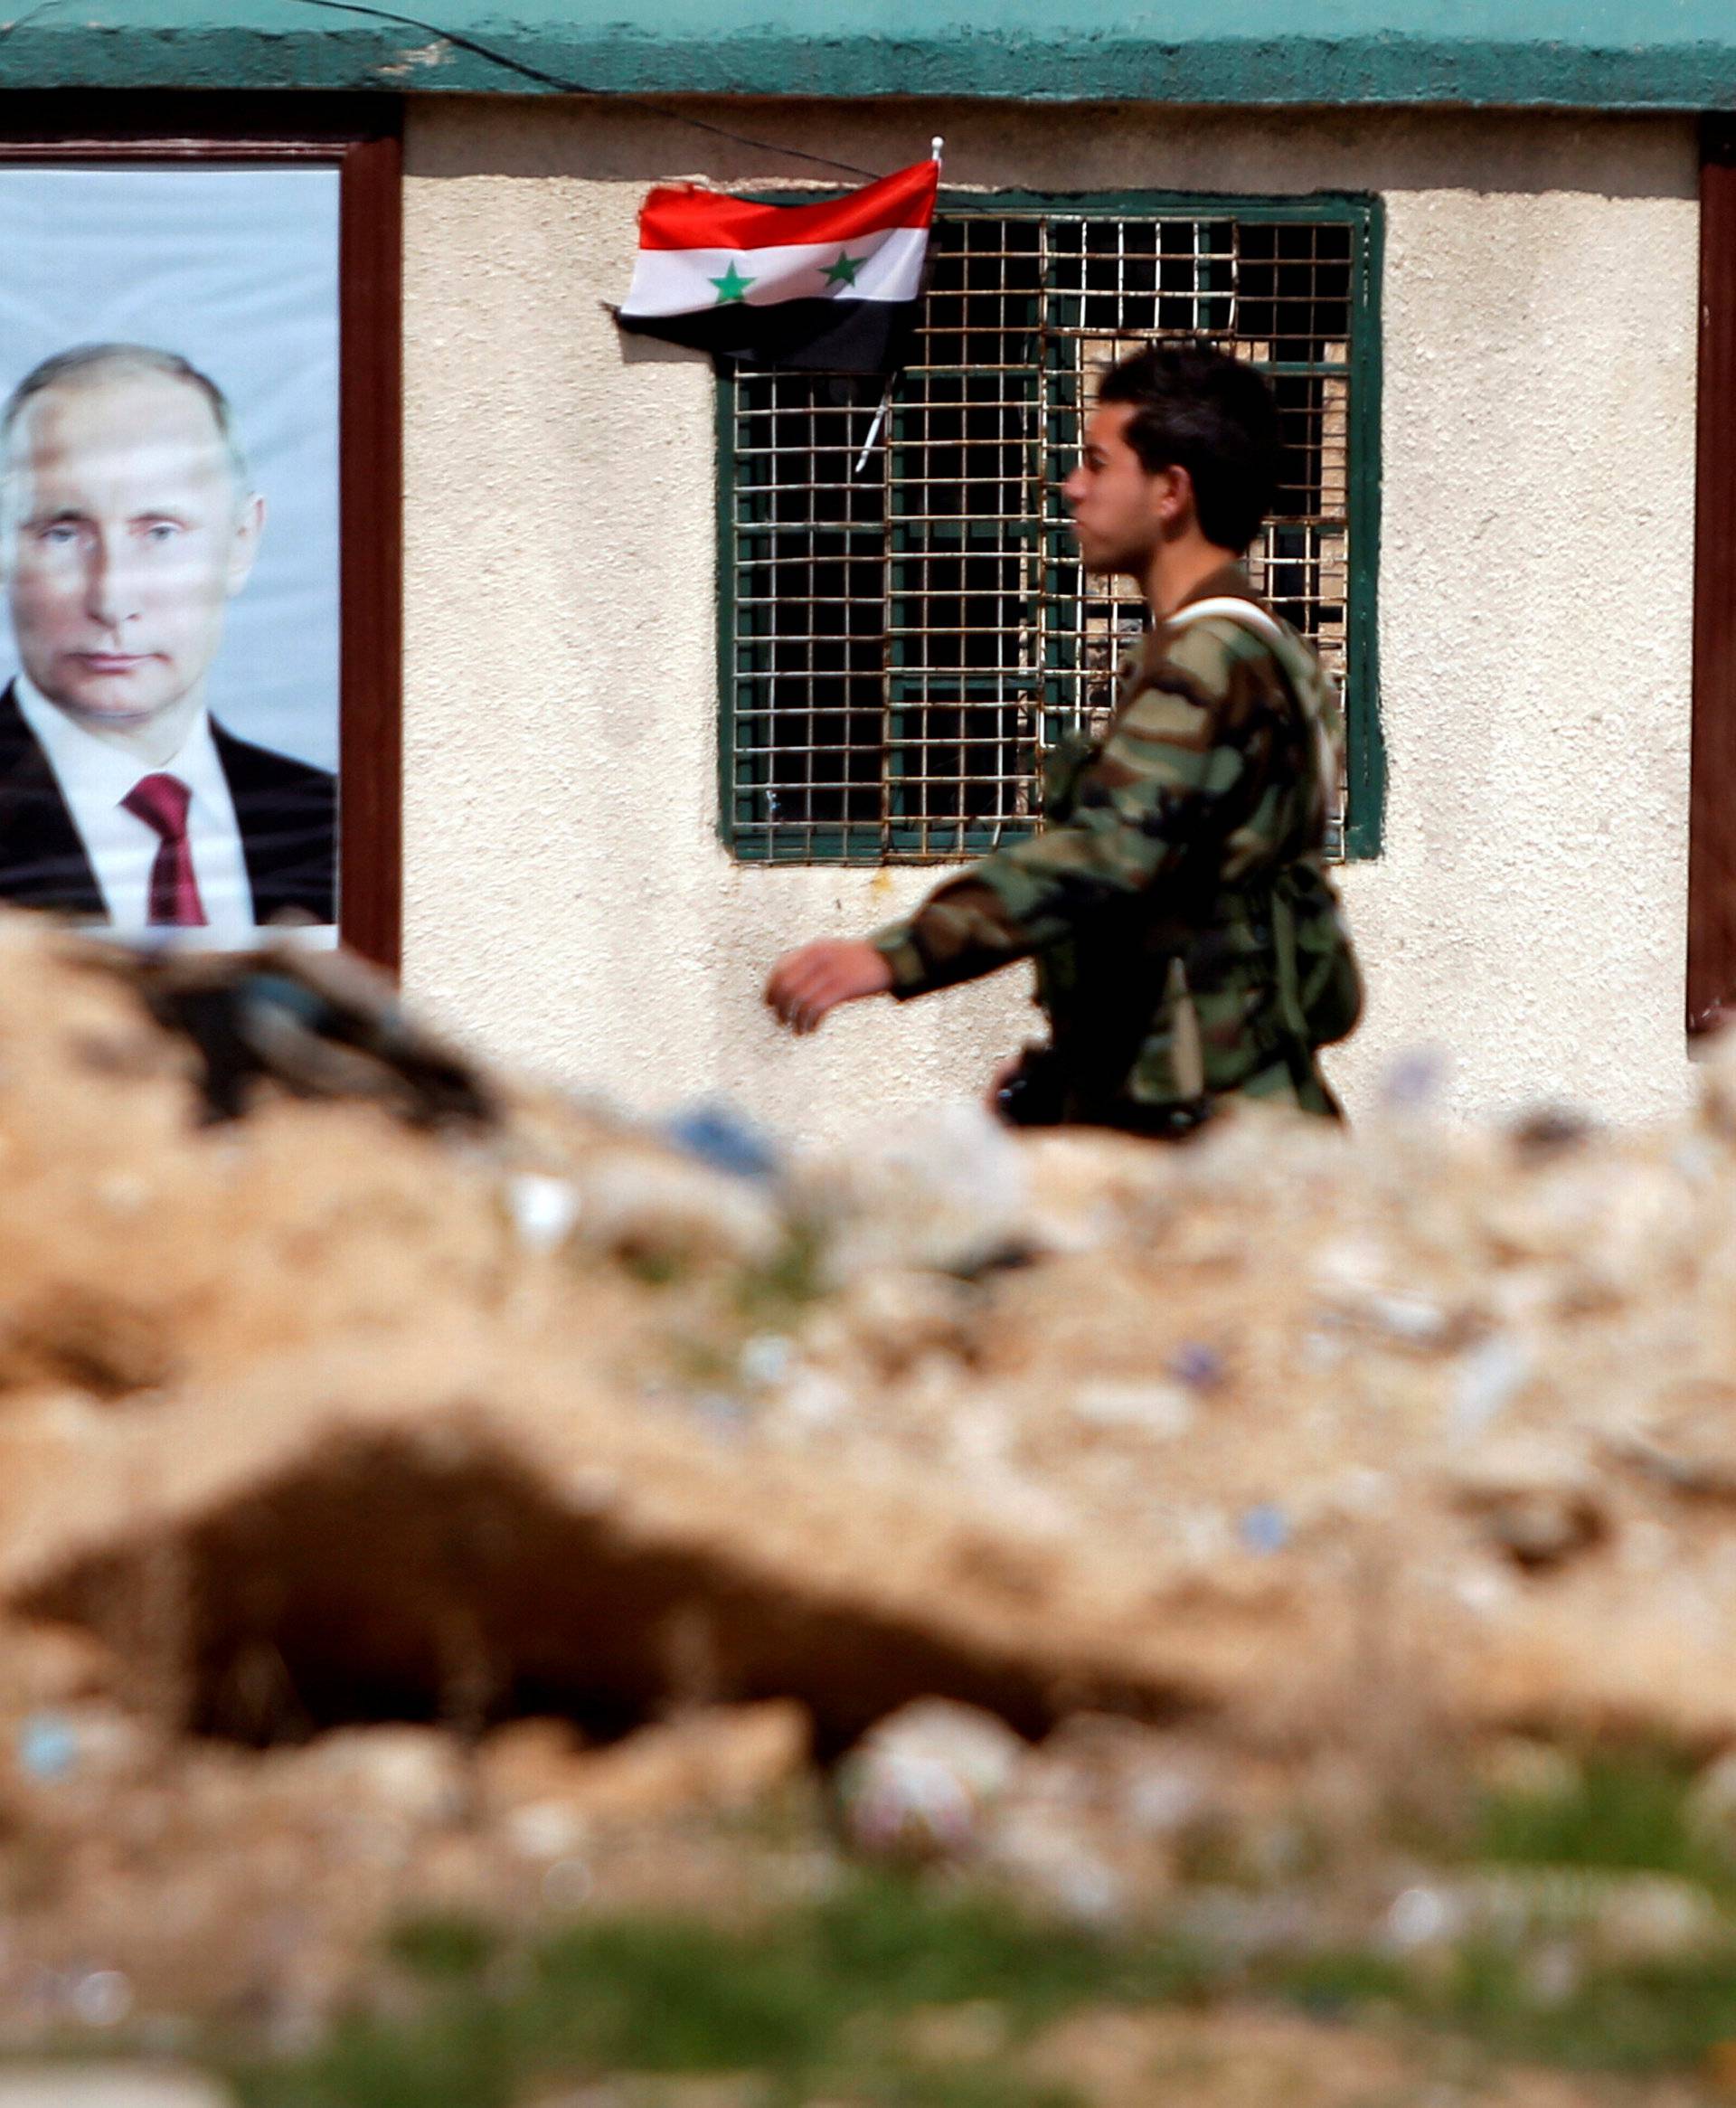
[{"x": 689, "y": 218}]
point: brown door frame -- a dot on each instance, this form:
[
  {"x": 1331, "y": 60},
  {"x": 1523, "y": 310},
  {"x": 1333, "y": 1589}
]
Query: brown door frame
[
  {"x": 1712, "y": 798},
  {"x": 360, "y": 136}
]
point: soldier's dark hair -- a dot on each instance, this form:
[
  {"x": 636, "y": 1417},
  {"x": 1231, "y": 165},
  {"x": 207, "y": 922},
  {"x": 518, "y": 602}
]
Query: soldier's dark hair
[
  {"x": 87, "y": 364},
  {"x": 1196, "y": 408}
]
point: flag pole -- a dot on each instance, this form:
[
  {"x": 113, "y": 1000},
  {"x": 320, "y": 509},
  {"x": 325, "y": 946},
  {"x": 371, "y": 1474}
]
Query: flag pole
[
  {"x": 937, "y": 150},
  {"x": 873, "y": 429}
]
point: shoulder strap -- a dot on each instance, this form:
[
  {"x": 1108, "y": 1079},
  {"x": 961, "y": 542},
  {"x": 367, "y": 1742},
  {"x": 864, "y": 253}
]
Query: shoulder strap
[{"x": 1231, "y": 608}]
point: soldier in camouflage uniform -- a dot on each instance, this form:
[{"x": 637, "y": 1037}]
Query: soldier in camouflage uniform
[{"x": 1188, "y": 944}]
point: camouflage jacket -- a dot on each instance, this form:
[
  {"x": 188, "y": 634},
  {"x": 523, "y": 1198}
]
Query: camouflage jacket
[{"x": 1187, "y": 940}]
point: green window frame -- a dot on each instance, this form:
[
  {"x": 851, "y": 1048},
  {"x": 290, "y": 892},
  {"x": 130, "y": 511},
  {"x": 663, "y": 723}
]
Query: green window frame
[{"x": 904, "y": 629}]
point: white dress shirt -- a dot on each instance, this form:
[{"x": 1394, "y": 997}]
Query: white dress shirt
[{"x": 95, "y": 776}]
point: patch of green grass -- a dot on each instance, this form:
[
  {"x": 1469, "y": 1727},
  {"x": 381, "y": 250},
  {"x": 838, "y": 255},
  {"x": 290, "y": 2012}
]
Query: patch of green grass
[
  {"x": 812, "y": 1998},
  {"x": 1635, "y": 2019},
  {"x": 439, "y": 1948},
  {"x": 1339, "y": 1981},
  {"x": 1650, "y": 2016},
  {"x": 460, "y": 2055},
  {"x": 818, "y": 2002},
  {"x": 1626, "y": 1810}
]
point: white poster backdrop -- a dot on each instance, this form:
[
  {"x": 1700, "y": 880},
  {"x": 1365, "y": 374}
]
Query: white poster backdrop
[{"x": 236, "y": 270}]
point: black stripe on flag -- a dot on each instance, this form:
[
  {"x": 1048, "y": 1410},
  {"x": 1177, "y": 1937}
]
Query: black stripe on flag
[{"x": 821, "y": 336}]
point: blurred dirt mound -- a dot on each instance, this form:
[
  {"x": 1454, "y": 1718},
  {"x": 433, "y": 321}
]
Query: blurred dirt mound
[{"x": 314, "y": 1416}]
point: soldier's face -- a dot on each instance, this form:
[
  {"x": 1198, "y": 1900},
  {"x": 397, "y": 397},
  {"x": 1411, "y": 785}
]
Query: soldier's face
[
  {"x": 1121, "y": 511},
  {"x": 122, "y": 537}
]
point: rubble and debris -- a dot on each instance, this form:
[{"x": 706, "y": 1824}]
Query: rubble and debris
[
  {"x": 316, "y": 1024},
  {"x": 416, "y": 1484}
]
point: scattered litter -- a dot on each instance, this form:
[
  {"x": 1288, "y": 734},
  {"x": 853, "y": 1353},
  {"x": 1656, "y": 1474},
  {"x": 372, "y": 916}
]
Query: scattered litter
[
  {"x": 48, "y": 1746},
  {"x": 1265, "y": 1527},
  {"x": 724, "y": 1139}
]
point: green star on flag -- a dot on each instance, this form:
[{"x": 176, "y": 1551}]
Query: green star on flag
[
  {"x": 844, "y": 273},
  {"x": 731, "y": 286}
]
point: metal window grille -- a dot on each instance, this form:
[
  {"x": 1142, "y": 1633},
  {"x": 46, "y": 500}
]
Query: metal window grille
[{"x": 906, "y": 634}]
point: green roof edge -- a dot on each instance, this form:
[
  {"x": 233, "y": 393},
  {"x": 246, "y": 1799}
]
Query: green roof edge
[{"x": 1672, "y": 55}]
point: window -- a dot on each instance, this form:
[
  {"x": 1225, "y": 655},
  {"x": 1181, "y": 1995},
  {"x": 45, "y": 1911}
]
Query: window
[{"x": 906, "y": 629}]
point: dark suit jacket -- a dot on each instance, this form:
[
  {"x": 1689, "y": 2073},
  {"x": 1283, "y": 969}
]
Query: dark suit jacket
[{"x": 287, "y": 812}]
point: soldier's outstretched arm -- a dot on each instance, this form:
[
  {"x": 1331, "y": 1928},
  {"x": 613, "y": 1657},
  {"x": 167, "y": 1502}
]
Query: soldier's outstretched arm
[
  {"x": 1173, "y": 777},
  {"x": 816, "y": 977}
]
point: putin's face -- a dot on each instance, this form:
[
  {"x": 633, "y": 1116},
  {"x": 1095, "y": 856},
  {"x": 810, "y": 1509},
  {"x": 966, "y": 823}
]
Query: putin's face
[{"x": 122, "y": 538}]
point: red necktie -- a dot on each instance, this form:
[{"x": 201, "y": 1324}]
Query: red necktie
[{"x": 161, "y": 802}]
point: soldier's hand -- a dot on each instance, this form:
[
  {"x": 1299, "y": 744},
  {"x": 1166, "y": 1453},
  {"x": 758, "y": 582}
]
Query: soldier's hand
[{"x": 816, "y": 978}]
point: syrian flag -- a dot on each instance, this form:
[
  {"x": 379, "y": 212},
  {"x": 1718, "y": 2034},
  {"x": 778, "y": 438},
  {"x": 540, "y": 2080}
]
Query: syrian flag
[{"x": 832, "y": 287}]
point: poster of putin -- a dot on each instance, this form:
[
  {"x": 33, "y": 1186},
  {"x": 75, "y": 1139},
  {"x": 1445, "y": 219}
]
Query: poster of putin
[{"x": 169, "y": 609}]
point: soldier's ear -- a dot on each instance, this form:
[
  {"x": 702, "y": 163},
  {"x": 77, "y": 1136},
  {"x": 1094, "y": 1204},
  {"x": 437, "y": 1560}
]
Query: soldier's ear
[{"x": 1174, "y": 496}]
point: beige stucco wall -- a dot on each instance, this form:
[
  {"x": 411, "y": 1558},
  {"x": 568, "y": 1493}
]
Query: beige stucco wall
[{"x": 567, "y": 900}]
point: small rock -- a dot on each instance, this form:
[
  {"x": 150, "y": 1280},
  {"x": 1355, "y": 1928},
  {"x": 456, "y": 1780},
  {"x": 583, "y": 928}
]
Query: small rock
[
  {"x": 919, "y": 1784},
  {"x": 1423, "y": 1917},
  {"x": 944, "y": 1189},
  {"x": 765, "y": 1359},
  {"x": 102, "y": 1999},
  {"x": 544, "y": 1209},
  {"x": 1412, "y": 1320},
  {"x": 1160, "y": 1410},
  {"x": 898, "y": 1318},
  {"x": 1057, "y": 1860},
  {"x": 1535, "y": 1498},
  {"x": 811, "y": 1399},
  {"x": 546, "y": 1829},
  {"x": 1541, "y": 1529},
  {"x": 415, "y": 1774},
  {"x": 528, "y": 1760},
  {"x": 641, "y": 1206},
  {"x": 717, "y": 1757},
  {"x": 1487, "y": 1379}
]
